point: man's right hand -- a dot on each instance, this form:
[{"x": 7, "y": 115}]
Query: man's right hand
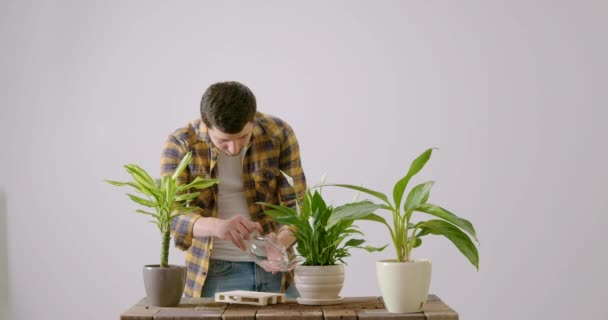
[{"x": 237, "y": 229}]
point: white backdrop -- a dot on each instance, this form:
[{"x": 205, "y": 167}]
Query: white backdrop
[{"x": 512, "y": 93}]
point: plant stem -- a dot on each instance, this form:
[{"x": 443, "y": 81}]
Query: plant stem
[{"x": 164, "y": 254}]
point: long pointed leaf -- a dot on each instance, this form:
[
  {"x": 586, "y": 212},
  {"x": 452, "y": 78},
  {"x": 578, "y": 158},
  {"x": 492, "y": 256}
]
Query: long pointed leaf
[
  {"x": 182, "y": 165},
  {"x": 376, "y": 194},
  {"x": 352, "y": 211},
  {"x": 374, "y": 249},
  {"x": 415, "y": 167},
  {"x": 142, "y": 201},
  {"x": 458, "y": 238},
  {"x": 444, "y": 214}
]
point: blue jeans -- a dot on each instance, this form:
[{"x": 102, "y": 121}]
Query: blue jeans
[{"x": 232, "y": 275}]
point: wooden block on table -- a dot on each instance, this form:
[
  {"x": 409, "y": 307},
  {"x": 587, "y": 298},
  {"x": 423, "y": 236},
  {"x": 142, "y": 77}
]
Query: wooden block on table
[{"x": 250, "y": 297}]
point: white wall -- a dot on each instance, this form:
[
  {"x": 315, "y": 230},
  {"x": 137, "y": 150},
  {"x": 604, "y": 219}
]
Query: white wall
[{"x": 510, "y": 92}]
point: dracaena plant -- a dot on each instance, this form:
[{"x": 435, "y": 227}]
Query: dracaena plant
[
  {"x": 167, "y": 197},
  {"x": 323, "y": 233},
  {"x": 407, "y": 235}
]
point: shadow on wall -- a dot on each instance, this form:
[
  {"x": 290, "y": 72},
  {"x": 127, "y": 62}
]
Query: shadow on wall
[{"x": 4, "y": 296}]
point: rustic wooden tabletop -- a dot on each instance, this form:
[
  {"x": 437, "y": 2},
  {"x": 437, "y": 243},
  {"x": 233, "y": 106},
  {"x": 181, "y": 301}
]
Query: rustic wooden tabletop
[{"x": 351, "y": 308}]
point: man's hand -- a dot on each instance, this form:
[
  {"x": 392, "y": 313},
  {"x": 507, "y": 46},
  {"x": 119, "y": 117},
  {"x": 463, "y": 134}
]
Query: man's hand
[
  {"x": 275, "y": 255},
  {"x": 236, "y": 229}
]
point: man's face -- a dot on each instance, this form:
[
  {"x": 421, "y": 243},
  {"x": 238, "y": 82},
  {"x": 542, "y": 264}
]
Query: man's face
[{"x": 231, "y": 144}]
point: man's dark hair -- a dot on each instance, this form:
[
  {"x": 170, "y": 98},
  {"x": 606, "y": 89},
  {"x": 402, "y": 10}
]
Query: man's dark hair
[{"x": 228, "y": 106}]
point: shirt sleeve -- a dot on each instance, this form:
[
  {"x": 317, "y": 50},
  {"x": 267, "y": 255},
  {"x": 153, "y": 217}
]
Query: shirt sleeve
[{"x": 182, "y": 225}]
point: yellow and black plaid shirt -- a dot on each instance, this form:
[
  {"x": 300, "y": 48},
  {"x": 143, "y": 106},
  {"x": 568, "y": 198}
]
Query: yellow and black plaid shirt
[{"x": 273, "y": 148}]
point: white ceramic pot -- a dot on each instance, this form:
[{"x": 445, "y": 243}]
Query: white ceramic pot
[
  {"x": 404, "y": 285},
  {"x": 319, "y": 282}
]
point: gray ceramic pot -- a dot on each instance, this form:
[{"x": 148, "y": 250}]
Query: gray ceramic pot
[{"x": 164, "y": 286}]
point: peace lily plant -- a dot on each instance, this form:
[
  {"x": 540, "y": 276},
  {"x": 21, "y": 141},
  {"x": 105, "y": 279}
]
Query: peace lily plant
[
  {"x": 168, "y": 198},
  {"x": 321, "y": 230},
  {"x": 324, "y": 236},
  {"x": 407, "y": 235}
]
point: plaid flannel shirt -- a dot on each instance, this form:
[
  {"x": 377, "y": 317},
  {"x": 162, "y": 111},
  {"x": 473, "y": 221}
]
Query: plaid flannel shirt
[{"x": 273, "y": 148}]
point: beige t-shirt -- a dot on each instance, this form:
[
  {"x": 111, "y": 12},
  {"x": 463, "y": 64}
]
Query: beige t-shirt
[{"x": 231, "y": 202}]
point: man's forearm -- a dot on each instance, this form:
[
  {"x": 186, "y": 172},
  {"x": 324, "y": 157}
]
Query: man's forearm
[{"x": 205, "y": 227}]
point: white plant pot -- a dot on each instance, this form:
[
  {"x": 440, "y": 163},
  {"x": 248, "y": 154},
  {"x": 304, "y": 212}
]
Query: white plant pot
[
  {"x": 319, "y": 285},
  {"x": 404, "y": 285}
]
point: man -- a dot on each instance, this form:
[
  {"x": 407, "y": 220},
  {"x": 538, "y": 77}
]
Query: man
[{"x": 246, "y": 150}]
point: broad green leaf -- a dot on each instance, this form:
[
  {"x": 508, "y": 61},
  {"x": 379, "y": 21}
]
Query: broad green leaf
[
  {"x": 417, "y": 242},
  {"x": 142, "y": 201},
  {"x": 454, "y": 234},
  {"x": 415, "y": 167},
  {"x": 418, "y": 195},
  {"x": 289, "y": 220},
  {"x": 444, "y": 214},
  {"x": 373, "y": 249},
  {"x": 182, "y": 165},
  {"x": 352, "y": 211},
  {"x": 354, "y": 242},
  {"x": 376, "y": 194},
  {"x": 353, "y": 231},
  {"x": 375, "y": 217}
]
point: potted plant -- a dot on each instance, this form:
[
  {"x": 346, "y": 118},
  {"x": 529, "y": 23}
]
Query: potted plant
[
  {"x": 404, "y": 282},
  {"x": 168, "y": 197},
  {"x": 323, "y": 239}
]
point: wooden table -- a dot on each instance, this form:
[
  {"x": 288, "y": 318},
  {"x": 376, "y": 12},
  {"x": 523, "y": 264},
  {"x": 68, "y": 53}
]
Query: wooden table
[{"x": 351, "y": 308}]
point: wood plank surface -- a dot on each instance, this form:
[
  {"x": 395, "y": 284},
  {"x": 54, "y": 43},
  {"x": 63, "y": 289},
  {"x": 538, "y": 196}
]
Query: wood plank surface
[
  {"x": 138, "y": 312},
  {"x": 347, "y": 309},
  {"x": 352, "y": 308},
  {"x": 240, "y": 312},
  {"x": 437, "y": 310},
  {"x": 289, "y": 310}
]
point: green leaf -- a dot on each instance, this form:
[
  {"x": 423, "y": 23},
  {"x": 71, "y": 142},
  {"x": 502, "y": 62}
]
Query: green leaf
[
  {"x": 454, "y": 234},
  {"x": 376, "y": 194},
  {"x": 415, "y": 167},
  {"x": 118, "y": 183},
  {"x": 200, "y": 183},
  {"x": 418, "y": 195},
  {"x": 182, "y": 165},
  {"x": 352, "y": 211},
  {"x": 417, "y": 242},
  {"x": 140, "y": 176},
  {"x": 147, "y": 213},
  {"x": 374, "y": 249},
  {"x": 375, "y": 217},
  {"x": 142, "y": 201},
  {"x": 354, "y": 242},
  {"x": 284, "y": 210},
  {"x": 449, "y": 217},
  {"x": 187, "y": 196}
]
